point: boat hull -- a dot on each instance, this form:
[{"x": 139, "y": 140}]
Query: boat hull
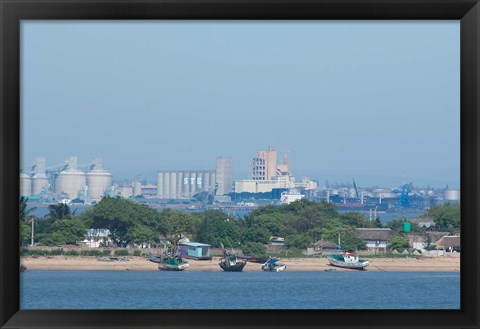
[
  {"x": 238, "y": 267},
  {"x": 171, "y": 267},
  {"x": 353, "y": 266},
  {"x": 280, "y": 268}
]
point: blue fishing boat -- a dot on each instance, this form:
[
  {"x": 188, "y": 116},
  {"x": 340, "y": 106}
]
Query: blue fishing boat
[{"x": 271, "y": 265}]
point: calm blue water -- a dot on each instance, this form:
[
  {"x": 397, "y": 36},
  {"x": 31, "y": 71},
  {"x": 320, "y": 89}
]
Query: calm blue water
[{"x": 245, "y": 290}]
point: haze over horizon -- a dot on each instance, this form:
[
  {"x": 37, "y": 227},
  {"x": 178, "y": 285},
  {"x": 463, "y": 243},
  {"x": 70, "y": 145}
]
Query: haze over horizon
[{"x": 377, "y": 101}]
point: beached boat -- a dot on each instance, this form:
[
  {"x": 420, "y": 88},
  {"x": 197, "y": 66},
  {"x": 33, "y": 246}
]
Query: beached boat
[
  {"x": 230, "y": 262},
  {"x": 251, "y": 259},
  {"x": 155, "y": 258},
  {"x": 348, "y": 260},
  {"x": 271, "y": 265},
  {"x": 171, "y": 261}
]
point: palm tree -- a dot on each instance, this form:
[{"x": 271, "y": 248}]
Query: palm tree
[
  {"x": 59, "y": 211},
  {"x": 24, "y": 212}
]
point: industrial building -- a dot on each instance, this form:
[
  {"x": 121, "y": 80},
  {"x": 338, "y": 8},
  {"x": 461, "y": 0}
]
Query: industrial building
[
  {"x": 264, "y": 165},
  {"x": 66, "y": 180},
  {"x": 224, "y": 172},
  {"x": 266, "y": 175},
  {"x": 183, "y": 184}
]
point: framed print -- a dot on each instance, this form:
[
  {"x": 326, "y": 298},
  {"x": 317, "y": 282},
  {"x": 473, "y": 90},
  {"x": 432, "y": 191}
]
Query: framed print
[{"x": 326, "y": 151}]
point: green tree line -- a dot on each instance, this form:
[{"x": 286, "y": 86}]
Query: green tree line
[{"x": 301, "y": 223}]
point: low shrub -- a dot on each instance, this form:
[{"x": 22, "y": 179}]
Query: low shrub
[
  {"x": 106, "y": 252},
  {"x": 72, "y": 252},
  {"x": 137, "y": 253},
  {"x": 56, "y": 252},
  {"x": 91, "y": 252},
  {"x": 121, "y": 252}
]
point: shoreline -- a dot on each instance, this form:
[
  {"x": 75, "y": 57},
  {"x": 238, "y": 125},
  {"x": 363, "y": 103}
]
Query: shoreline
[{"x": 88, "y": 263}]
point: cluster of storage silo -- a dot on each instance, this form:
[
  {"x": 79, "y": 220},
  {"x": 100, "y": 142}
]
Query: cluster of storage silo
[
  {"x": 184, "y": 184},
  {"x": 35, "y": 183},
  {"x": 68, "y": 180}
]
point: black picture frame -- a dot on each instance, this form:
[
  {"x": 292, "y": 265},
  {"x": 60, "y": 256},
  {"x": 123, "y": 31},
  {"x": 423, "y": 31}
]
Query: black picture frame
[{"x": 12, "y": 11}]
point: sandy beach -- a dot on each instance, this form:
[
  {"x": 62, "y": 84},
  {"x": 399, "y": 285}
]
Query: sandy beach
[{"x": 450, "y": 263}]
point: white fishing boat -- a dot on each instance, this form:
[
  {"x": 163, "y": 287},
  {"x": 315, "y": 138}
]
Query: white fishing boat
[
  {"x": 271, "y": 265},
  {"x": 348, "y": 260}
]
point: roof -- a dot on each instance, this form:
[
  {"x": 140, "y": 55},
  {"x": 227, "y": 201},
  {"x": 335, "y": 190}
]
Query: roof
[
  {"x": 449, "y": 241},
  {"x": 195, "y": 244},
  {"x": 374, "y": 233},
  {"x": 435, "y": 236},
  {"x": 325, "y": 244}
]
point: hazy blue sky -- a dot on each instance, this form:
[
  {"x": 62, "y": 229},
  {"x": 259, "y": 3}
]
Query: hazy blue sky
[{"x": 377, "y": 101}]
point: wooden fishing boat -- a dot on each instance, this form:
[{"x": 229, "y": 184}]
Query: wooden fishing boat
[
  {"x": 231, "y": 263},
  {"x": 348, "y": 260},
  {"x": 171, "y": 261}
]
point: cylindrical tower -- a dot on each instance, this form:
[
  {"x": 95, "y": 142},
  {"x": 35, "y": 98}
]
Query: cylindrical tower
[
  {"x": 206, "y": 181},
  {"x": 160, "y": 185},
  {"x": 166, "y": 186},
  {"x": 70, "y": 182},
  {"x": 98, "y": 182},
  {"x": 451, "y": 195},
  {"x": 39, "y": 180},
  {"x": 173, "y": 185},
  {"x": 193, "y": 183},
  {"x": 137, "y": 188},
  {"x": 186, "y": 184},
  {"x": 25, "y": 185},
  {"x": 180, "y": 185}
]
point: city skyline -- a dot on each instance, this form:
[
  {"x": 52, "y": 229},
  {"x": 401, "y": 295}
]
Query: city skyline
[{"x": 343, "y": 99}]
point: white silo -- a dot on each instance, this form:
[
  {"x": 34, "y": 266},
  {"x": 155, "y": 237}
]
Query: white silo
[
  {"x": 173, "y": 185},
  {"x": 98, "y": 181},
  {"x": 160, "y": 185},
  {"x": 180, "y": 184},
  {"x": 193, "y": 183},
  {"x": 206, "y": 181},
  {"x": 70, "y": 181},
  {"x": 451, "y": 195},
  {"x": 25, "y": 185},
  {"x": 186, "y": 184},
  {"x": 39, "y": 180},
  {"x": 166, "y": 186},
  {"x": 137, "y": 188}
]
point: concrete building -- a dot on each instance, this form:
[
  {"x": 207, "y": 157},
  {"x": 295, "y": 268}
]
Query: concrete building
[
  {"x": 264, "y": 165},
  {"x": 179, "y": 184},
  {"x": 224, "y": 171}
]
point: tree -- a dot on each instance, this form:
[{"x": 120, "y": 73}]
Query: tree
[
  {"x": 446, "y": 217},
  {"x": 298, "y": 241},
  {"x": 175, "y": 225},
  {"x": 398, "y": 242},
  {"x": 126, "y": 220},
  {"x": 215, "y": 227},
  {"x": 254, "y": 249},
  {"x": 59, "y": 211},
  {"x": 428, "y": 245},
  {"x": 24, "y": 211},
  {"x": 256, "y": 234},
  {"x": 25, "y": 233},
  {"x": 64, "y": 231}
]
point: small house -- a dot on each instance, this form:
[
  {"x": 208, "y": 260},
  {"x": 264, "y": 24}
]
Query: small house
[
  {"x": 449, "y": 243},
  {"x": 197, "y": 250},
  {"x": 322, "y": 244},
  {"x": 376, "y": 239},
  {"x": 97, "y": 237}
]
